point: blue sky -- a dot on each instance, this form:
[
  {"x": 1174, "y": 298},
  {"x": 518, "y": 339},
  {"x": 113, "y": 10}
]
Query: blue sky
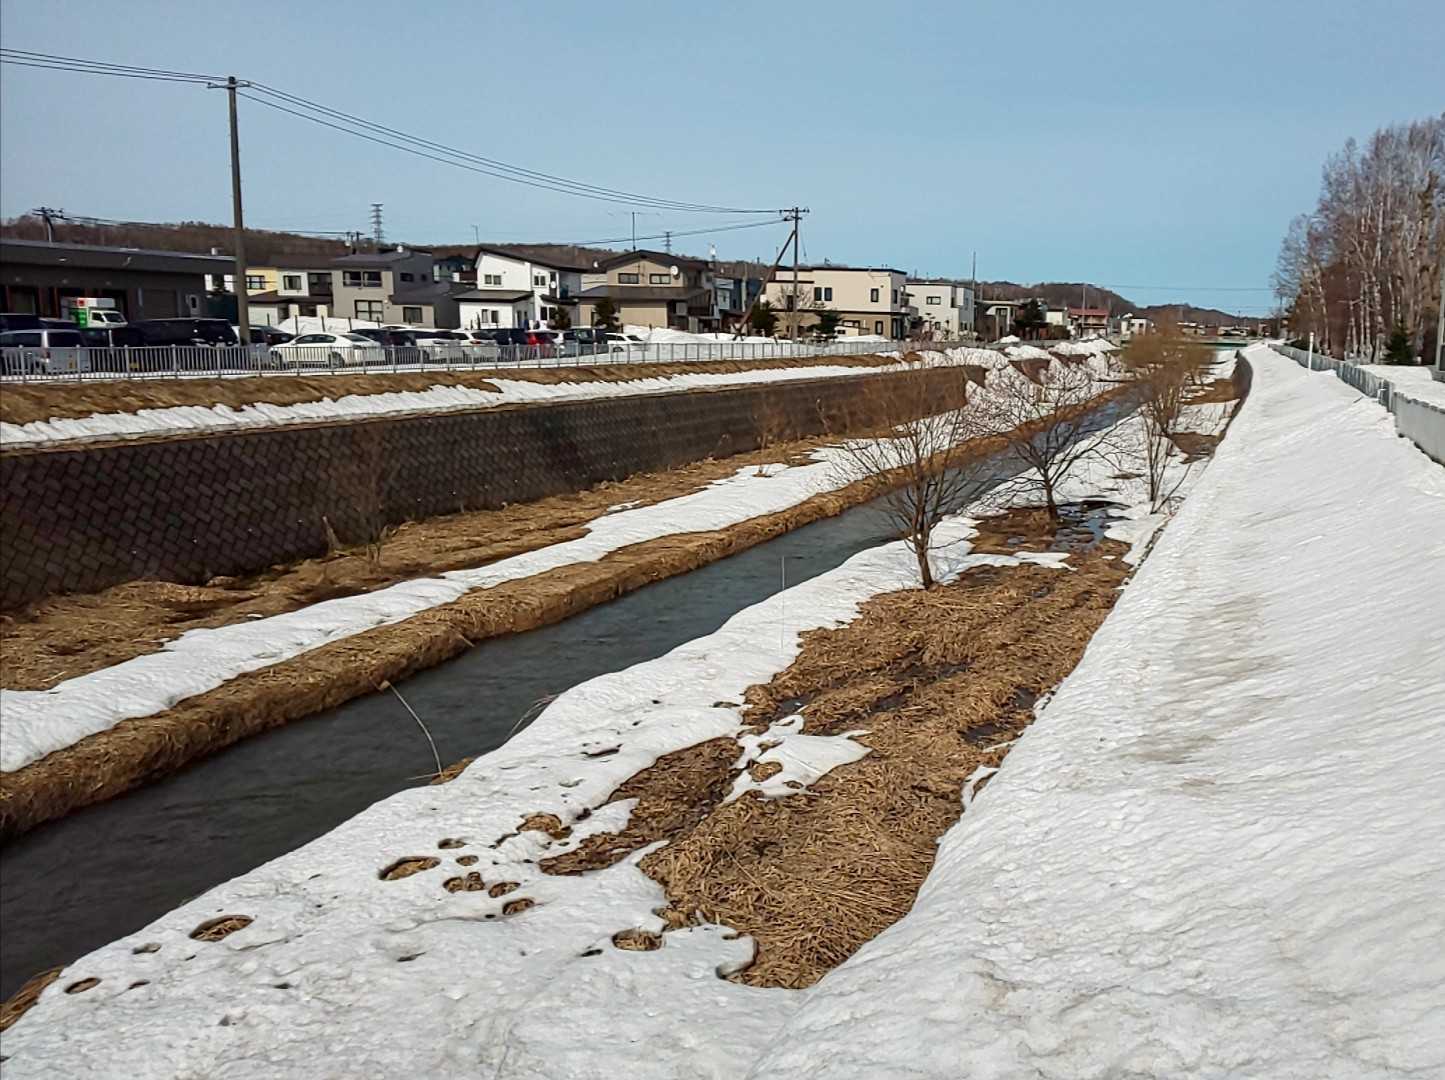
[{"x": 1159, "y": 148}]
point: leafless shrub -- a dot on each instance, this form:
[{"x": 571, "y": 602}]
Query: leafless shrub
[
  {"x": 920, "y": 462},
  {"x": 1168, "y": 366},
  {"x": 1048, "y": 425}
]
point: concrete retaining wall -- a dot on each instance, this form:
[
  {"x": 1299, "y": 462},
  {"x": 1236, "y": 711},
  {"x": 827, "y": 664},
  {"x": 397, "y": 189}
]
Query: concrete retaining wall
[{"x": 189, "y": 508}]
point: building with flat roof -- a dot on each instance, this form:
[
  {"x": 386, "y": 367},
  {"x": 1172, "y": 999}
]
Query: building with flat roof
[
  {"x": 868, "y": 299},
  {"x": 37, "y": 277}
]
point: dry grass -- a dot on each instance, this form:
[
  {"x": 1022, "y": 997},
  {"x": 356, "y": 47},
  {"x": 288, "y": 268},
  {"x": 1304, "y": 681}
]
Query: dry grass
[
  {"x": 19, "y": 1003},
  {"x": 220, "y": 928},
  {"x": 137, "y": 751},
  {"x": 22, "y": 403},
  {"x": 939, "y": 680}
]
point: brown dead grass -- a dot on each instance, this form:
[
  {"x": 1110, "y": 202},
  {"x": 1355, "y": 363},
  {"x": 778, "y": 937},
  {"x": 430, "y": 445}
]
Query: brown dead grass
[
  {"x": 137, "y": 751},
  {"x": 19, "y": 1003},
  {"x": 938, "y": 680},
  {"x": 22, "y": 403},
  {"x": 61, "y": 637},
  {"x": 220, "y": 928}
]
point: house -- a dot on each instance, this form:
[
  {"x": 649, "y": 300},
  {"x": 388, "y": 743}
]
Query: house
[
  {"x": 1131, "y": 325},
  {"x": 482, "y": 309},
  {"x": 461, "y": 268},
  {"x": 392, "y": 286},
  {"x": 653, "y": 289},
  {"x": 552, "y": 273},
  {"x": 868, "y": 299},
  {"x": 945, "y": 307},
  {"x": 37, "y": 277},
  {"x": 995, "y": 318},
  {"x": 299, "y": 289},
  {"x": 735, "y": 286},
  {"x": 1089, "y": 322}
]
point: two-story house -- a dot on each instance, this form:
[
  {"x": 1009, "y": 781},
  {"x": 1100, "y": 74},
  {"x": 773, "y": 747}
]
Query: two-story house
[
  {"x": 868, "y": 299},
  {"x": 945, "y": 308},
  {"x": 393, "y": 286},
  {"x": 1089, "y": 322},
  {"x": 653, "y": 289},
  {"x": 735, "y": 286},
  {"x": 552, "y": 273},
  {"x": 298, "y": 289}
]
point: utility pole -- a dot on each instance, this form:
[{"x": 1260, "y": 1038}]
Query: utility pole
[
  {"x": 243, "y": 313},
  {"x": 634, "y": 230},
  {"x": 797, "y": 300},
  {"x": 476, "y": 235},
  {"x": 377, "y": 233},
  {"x": 48, "y": 215}
]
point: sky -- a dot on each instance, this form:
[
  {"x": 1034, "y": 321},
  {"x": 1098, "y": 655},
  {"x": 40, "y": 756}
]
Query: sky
[{"x": 1159, "y": 149}]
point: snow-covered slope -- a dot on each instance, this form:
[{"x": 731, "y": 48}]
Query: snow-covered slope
[{"x": 1220, "y": 852}]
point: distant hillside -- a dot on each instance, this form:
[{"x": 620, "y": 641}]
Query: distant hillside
[
  {"x": 262, "y": 246},
  {"x": 1071, "y": 294}
]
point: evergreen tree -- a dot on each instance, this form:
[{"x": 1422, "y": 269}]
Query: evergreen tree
[
  {"x": 605, "y": 315},
  {"x": 1398, "y": 349}
]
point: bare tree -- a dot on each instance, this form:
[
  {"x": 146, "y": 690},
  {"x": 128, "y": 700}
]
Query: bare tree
[
  {"x": 1049, "y": 425},
  {"x": 1167, "y": 364},
  {"x": 921, "y": 462},
  {"x": 796, "y": 312}
]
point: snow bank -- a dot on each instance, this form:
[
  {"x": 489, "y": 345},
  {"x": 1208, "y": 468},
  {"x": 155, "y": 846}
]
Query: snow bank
[
  {"x": 1221, "y": 849},
  {"x": 342, "y": 974},
  {"x": 439, "y": 398},
  {"x": 1027, "y": 352}
]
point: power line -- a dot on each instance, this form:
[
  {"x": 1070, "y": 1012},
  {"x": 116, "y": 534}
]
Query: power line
[
  {"x": 532, "y": 174},
  {"x": 676, "y": 233},
  {"x": 359, "y": 127}
]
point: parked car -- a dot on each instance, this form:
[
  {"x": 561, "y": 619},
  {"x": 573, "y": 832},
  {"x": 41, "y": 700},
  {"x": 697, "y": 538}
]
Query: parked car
[
  {"x": 186, "y": 331},
  {"x": 584, "y": 341},
  {"x": 18, "y": 320},
  {"x": 327, "y": 350},
  {"x": 108, "y": 346},
  {"x": 264, "y": 335},
  {"x": 43, "y": 351},
  {"x": 625, "y": 343}
]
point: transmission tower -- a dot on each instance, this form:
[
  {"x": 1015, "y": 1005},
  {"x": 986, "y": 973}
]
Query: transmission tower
[{"x": 377, "y": 233}]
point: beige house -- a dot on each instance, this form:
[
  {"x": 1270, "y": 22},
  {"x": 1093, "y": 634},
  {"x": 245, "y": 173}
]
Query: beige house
[
  {"x": 868, "y": 299},
  {"x": 652, "y": 289},
  {"x": 944, "y": 308},
  {"x": 298, "y": 290}
]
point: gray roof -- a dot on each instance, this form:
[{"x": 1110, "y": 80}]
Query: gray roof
[
  {"x": 428, "y": 293},
  {"x": 43, "y": 253},
  {"x": 552, "y": 256},
  {"x": 379, "y": 258},
  {"x": 653, "y": 256},
  {"x": 640, "y": 292},
  {"x": 496, "y": 296}
]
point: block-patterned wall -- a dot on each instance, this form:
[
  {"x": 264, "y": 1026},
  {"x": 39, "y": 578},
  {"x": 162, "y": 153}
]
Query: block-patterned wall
[{"x": 189, "y": 508}]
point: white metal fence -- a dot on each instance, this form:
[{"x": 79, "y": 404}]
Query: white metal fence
[
  {"x": 1420, "y": 420},
  {"x": 195, "y": 361}
]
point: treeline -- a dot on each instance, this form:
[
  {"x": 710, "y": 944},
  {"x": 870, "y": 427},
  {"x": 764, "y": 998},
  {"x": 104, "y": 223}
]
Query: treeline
[
  {"x": 199, "y": 237},
  {"x": 1362, "y": 271},
  {"x": 1071, "y": 293}
]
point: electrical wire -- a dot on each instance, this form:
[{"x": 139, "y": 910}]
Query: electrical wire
[
  {"x": 532, "y": 174},
  {"x": 380, "y": 134}
]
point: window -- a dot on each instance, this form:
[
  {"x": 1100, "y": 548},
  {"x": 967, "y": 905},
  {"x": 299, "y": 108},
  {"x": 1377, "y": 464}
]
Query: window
[
  {"x": 319, "y": 282},
  {"x": 817, "y": 292},
  {"x": 539, "y": 281},
  {"x": 411, "y": 315},
  {"x": 361, "y": 279},
  {"x": 629, "y": 279},
  {"x": 877, "y": 323},
  {"x": 827, "y": 292},
  {"x": 408, "y": 277},
  {"x": 291, "y": 282},
  {"x": 255, "y": 283},
  {"x": 369, "y": 309},
  {"x": 491, "y": 279},
  {"x": 873, "y": 298},
  {"x": 933, "y": 300},
  {"x": 895, "y": 298},
  {"x": 659, "y": 279}
]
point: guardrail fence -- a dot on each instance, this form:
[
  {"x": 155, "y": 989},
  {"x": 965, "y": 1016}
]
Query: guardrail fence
[
  {"x": 344, "y": 356},
  {"x": 1419, "y": 418}
]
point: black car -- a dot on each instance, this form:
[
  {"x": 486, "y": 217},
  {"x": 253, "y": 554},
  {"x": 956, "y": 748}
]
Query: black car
[
  {"x": 108, "y": 345},
  {"x": 269, "y": 335},
  {"x": 19, "y": 320},
  {"x": 396, "y": 339},
  {"x": 185, "y": 332}
]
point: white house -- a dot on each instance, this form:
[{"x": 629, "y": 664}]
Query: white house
[
  {"x": 552, "y": 273},
  {"x": 1132, "y": 324},
  {"x": 500, "y": 309},
  {"x": 946, "y": 307}
]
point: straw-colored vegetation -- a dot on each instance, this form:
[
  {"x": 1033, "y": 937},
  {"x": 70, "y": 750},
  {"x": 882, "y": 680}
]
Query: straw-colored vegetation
[{"x": 941, "y": 681}]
